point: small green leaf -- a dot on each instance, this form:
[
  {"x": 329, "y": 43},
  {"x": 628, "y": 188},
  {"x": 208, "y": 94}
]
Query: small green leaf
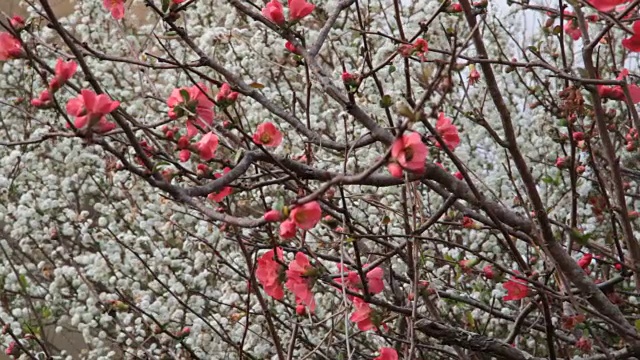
[
  {"x": 386, "y": 102},
  {"x": 547, "y": 179},
  {"x": 637, "y": 323},
  {"x": 238, "y": 156},
  {"x": 160, "y": 165},
  {"x": 278, "y": 204},
  {"x": 45, "y": 312},
  {"x": 470, "y": 320},
  {"x": 185, "y": 95},
  {"x": 165, "y": 5},
  {"x": 581, "y": 238},
  {"x": 406, "y": 111},
  {"x": 23, "y": 281},
  {"x": 256, "y": 85},
  {"x": 392, "y": 69},
  {"x": 557, "y": 29}
]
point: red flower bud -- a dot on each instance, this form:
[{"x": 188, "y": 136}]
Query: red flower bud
[
  {"x": 301, "y": 310},
  {"x": 561, "y": 162},
  {"x": 273, "y": 216},
  {"x": 487, "y": 271}
]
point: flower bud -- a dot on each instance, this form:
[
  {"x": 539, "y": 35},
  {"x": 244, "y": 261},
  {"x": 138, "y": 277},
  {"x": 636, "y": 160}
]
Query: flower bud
[{"x": 272, "y": 216}]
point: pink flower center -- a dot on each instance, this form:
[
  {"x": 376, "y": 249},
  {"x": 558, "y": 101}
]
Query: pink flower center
[
  {"x": 408, "y": 153},
  {"x": 265, "y": 138},
  {"x": 300, "y": 216}
]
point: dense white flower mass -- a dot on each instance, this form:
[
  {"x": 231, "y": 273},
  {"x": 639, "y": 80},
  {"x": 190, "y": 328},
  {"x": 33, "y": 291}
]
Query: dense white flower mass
[{"x": 144, "y": 230}]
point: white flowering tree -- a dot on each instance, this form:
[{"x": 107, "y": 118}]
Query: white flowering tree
[{"x": 353, "y": 179}]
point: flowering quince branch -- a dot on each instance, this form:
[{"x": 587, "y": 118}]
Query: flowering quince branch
[
  {"x": 469, "y": 340},
  {"x": 597, "y": 299},
  {"x": 613, "y": 162},
  {"x": 275, "y": 176},
  {"x": 248, "y": 91}
]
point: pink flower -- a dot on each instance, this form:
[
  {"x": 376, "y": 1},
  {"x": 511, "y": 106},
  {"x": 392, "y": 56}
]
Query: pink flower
[
  {"x": 10, "y": 47},
  {"x": 487, "y": 271},
  {"x": 516, "y": 289},
  {"x": 300, "y": 280},
  {"x": 617, "y": 93},
  {"x": 571, "y": 28},
  {"x": 419, "y": 47},
  {"x": 387, "y": 353},
  {"x": 64, "y": 71},
  {"x": 350, "y": 81},
  {"x": 184, "y": 155},
  {"x": 362, "y": 315},
  {"x": 562, "y": 162},
  {"x": 116, "y": 7},
  {"x": 585, "y": 260},
  {"x": 207, "y": 146},
  {"x": 17, "y": 22},
  {"x": 474, "y": 75},
  {"x": 225, "y": 96},
  {"x": 103, "y": 126},
  {"x": 90, "y": 109},
  {"x": 268, "y": 135},
  {"x": 274, "y": 12},
  {"x": 410, "y": 153},
  {"x": 348, "y": 78},
  {"x": 584, "y": 345},
  {"x": 375, "y": 283},
  {"x": 405, "y": 50},
  {"x": 289, "y": 46},
  {"x": 606, "y": 5},
  {"x": 273, "y": 215},
  {"x": 12, "y": 349},
  {"x": 467, "y": 265},
  {"x": 183, "y": 142},
  {"x": 298, "y": 9},
  {"x": 306, "y": 216},
  {"x": 184, "y": 332},
  {"x": 287, "y": 229},
  {"x": 448, "y": 132},
  {"x": 454, "y": 8},
  {"x": 98, "y": 105},
  {"x": 270, "y": 273},
  {"x": 43, "y": 101},
  {"x": 301, "y": 310},
  {"x": 633, "y": 43},
  {"x": 227, "y": 190},
  {"x": 194, "y": 103},
  {"x": 611, "y": 92},
  {"x": 468, "y": 223},
  {"x": 580, "y": 169}
]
